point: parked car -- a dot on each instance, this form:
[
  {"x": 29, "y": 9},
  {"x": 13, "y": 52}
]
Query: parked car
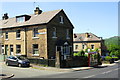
[{"x": 17, "y": 61}]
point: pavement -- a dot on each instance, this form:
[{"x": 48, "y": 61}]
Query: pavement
[{"x": 70, "y": 69}]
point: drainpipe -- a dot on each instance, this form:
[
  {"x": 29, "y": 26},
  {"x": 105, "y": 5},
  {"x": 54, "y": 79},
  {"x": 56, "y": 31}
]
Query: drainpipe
[{"x": 25, "y": 42}]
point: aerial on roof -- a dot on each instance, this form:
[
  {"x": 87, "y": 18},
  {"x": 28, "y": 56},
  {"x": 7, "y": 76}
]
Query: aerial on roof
[
  {"x": 33, "y": 19},
  {"x": 86, "y": 37}
]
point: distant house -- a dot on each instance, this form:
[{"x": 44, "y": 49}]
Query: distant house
[
  {"x": 85, "y": 41},
  {"x": 39, "y": 35}
]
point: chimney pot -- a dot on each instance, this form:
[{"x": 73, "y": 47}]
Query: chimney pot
[
  {"x": 5, "y": 16},
  {"x": 37, "y": 11}
]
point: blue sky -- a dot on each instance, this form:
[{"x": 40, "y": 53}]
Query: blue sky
[{"x": 100, "y": 18}]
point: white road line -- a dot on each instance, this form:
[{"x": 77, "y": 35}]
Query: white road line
[
  {"x": 89, "y": 76},
  {"x": 116, "y": 69},
  {"x": 101, "y": 73}
]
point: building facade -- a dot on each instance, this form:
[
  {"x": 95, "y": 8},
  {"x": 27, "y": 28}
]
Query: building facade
[
  {"x": 39, "y": 35},
  {"x": 87, "y": 41}
]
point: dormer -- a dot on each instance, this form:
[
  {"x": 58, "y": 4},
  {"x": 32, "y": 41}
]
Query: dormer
[{"x": 22, "y": 18}]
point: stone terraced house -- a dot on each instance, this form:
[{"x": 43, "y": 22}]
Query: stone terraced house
[
  {"x": 87, "y": 40},
  {"x": 39, "y": 35}
]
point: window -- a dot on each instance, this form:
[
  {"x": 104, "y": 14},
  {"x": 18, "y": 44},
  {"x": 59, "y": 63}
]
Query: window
[
  {"x": 92, "y": 46},
  {"x": 54, "y": 32},
  {"x": 18, "y": 49},
  {"x": 18, "y": 34},
  {"x": 61, "y": 19},
  {"x": 20, "y": 19},
  {"x": 35, "y": 32},
  {"x": 67, "y": 34},
  {"x": 1, "y": 35},
  {"x": 66, "y": 50},
  {"x": 2, "y": 49},
  {"x": 35, "y": 49},
  {"x": 6, "y": 35},
  {"x": 11, "y": 49},
  {"x": 76, "y": 46},
  {"x": 6, "y": 49},
  {"x": 83, "y": 46}
]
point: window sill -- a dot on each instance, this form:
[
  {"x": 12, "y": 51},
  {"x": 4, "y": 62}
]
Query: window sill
[
  {"x": 68, "y": 38},
  {"x": 35, "y": 37},
  {"x": 61, "y": 22},
  {"x": 35, "y": 54},
  {"x": 18, "y": 54},
  {"x": 6, "y": 39},
  {"x": 54, "y": 37},
  {"x": 18, "y": 38}
]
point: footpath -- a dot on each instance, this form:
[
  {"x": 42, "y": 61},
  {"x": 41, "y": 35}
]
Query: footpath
[{"x": 70, "y": 69}]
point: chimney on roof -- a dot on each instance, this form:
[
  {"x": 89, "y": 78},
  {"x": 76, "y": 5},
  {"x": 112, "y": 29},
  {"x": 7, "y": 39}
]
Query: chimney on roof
[
  {"x": 87, "y": 35},
  {"x": 37, "y": 11},
  {"x": 5, "y": 16}
]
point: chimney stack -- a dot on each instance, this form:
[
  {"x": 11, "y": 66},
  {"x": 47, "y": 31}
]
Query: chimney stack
[
  {"x": 37, "y": 11},
  {"x": 5, "y": 16},
  {"x": 87, "y": 35}
]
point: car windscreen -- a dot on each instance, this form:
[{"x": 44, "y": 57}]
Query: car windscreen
[{"x": 21, "y": 58}]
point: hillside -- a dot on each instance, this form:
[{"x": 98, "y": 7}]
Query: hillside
[{"x": 113, "y": 40}]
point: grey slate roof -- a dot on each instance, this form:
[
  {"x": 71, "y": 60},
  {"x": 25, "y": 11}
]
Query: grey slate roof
[
  {"x": 42, "y": 18},
  {"x": 82, "y": 37}
]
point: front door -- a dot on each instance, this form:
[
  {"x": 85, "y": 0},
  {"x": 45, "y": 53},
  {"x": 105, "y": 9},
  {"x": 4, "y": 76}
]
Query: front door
[
  {"x": 66, "y": 51},
  {"x": 11, "y": 49},
  {"x": 6, "y": 49}
]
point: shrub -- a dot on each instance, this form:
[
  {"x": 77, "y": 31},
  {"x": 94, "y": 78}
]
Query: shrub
[{"x": 107, "y": 58}]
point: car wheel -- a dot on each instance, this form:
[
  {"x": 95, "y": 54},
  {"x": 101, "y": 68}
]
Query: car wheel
[
  {"x": 19, "y": 65},
  {"x": 7, "y": 63}
]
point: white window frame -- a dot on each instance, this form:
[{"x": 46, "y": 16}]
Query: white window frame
[
  {"x": 18, "y": 49},
  {"x": 2, "y": 49},
  {"x": 6, "y": 35},
  {"x": 67, "y": 34},
  {"x": 83, "y": 46},
  {"x": 35, "y": 33},
  {"x": 92, "y": 47},
  {"x": 20, "y": 19},
  {"x": 18, "y": 33},
  {"x": 35, "y": 49},
  {"x": 61, "y": 19},
  {"x": 54, "y": 33}
]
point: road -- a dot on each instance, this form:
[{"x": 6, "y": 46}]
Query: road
[
  {"x": 104, "y": 72},
  {"x": 101, "y": 72},
  {"x": 25, "y": 72}
]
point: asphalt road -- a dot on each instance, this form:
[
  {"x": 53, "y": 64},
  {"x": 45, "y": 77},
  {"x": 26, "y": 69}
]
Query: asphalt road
[
  {"x": 27, "y": 72},
  {"x": 101, "y": 72}
]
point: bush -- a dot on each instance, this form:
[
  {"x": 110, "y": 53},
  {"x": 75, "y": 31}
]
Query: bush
[
  {"x": 107, "y": 58},
  {"x": 80, "y": 53},
  {"x": 115, "y": 58}
]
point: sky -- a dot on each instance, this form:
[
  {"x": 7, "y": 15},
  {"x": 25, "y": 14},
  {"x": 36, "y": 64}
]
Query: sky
[{"x": 99, "y": 18}]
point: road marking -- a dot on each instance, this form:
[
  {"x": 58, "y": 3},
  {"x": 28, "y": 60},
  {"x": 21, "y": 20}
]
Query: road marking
[
  {"x": 116, "y": 69},
  {"x": 89, "y": 76},
  {"x": 100, "y": 73}
]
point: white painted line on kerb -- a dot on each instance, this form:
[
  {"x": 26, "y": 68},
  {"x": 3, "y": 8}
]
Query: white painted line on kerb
[{"x": 89, "y": 76}]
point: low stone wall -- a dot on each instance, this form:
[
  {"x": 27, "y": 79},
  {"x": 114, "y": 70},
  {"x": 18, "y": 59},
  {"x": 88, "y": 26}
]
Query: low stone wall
[
  {"x": 43, "y": 62},
  {"x": 75, "y": 62}
]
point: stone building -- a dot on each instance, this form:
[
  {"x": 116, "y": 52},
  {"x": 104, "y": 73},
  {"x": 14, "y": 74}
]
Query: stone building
[
  {"x": 39, "y": 35},
  {"x": 89, "y": 41}
]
